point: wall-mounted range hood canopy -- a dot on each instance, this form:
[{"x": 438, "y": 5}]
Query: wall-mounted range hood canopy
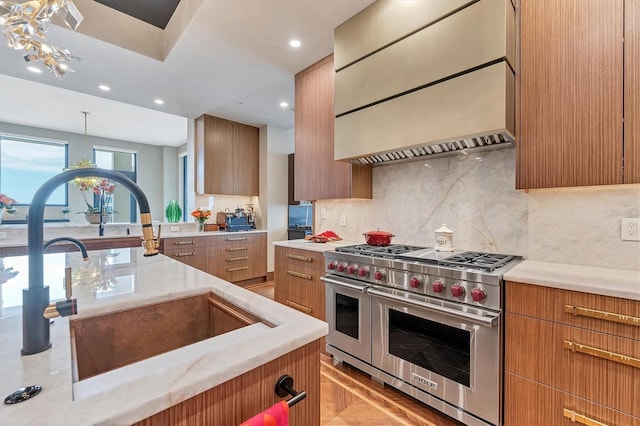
[{"x": 422, "y": 91}]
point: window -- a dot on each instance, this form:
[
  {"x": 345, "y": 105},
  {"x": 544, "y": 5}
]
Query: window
[
  {"x": 124, "y": 203},
  {"x": 26, "y": 163}
]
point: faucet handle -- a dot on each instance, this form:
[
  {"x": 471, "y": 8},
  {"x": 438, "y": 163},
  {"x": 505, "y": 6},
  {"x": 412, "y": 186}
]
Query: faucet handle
[{"x": 67, "y": 282}]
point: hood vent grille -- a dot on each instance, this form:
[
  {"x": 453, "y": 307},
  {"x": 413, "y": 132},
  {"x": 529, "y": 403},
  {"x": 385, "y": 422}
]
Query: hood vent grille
[{"x": 461, "y": 146}]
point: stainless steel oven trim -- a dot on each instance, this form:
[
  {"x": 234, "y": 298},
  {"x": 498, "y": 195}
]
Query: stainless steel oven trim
[
  {"x": 484, "y": 318},
  {"x": 358, "y": 287}
]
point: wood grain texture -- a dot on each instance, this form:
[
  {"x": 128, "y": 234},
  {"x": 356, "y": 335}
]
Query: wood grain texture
[
  {"x": 632, "y": 91},
  {"x": 571, "y": 93},
  {"x": 317, "y": 174},
  {"x": 246, "y": 160},
  {"x": 241, "y": 398}
]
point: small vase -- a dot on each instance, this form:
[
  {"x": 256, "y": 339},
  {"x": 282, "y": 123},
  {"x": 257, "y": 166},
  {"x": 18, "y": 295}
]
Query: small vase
[
  {"x": 94, "y": 218},
  {"x": 173, "y": 212},
  {"x": 200, "y": 226}
]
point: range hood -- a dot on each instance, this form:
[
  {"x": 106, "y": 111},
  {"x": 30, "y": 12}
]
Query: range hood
[{"x": 446, "y": 88}]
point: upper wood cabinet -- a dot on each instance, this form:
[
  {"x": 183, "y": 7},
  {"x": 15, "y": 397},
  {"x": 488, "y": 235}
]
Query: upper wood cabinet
[
  {"x": 317, "y": 175},
  {"x": 573, "y": 56},
  {"x": 227, "y": 157}
]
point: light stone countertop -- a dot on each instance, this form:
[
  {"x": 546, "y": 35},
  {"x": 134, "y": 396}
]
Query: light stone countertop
[
  {"x": 311, "y": 246},
  {"x": 605, "y": 281},
  {"x": 136, "y": 391}
]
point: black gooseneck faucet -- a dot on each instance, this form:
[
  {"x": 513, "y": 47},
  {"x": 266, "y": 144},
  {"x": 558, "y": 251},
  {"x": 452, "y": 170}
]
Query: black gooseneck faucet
[{"x": 35, "y": 299}]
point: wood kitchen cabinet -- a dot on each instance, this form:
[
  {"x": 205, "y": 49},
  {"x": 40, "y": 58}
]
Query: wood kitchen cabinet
[
  {"x": 317, "y": 175},
  {"x": 297, "y": 281},
  {"x": 570, "y": 354},
  {"x": 578, "y": 75},
  {"x": 188, "y": 250},
  {"x": 227, "y": 157}
]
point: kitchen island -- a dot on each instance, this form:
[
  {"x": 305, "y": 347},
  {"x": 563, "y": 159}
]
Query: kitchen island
[{"x": 122, "y": 279}]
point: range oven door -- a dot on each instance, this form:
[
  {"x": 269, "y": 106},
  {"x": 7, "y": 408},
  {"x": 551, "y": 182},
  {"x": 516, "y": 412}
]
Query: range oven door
[
  {"x": 348, "y": 310},
  {"x": 449, "y": 350}
]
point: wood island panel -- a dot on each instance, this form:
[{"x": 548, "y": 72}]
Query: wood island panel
[{"x": 632, "y": 91}]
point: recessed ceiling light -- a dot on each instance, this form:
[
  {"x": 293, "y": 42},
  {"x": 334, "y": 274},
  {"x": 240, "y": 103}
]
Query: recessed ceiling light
[
  {"x": 294, "y": 43},
  {"x": 104, "y": 87},
  {"x": 284, "y": 104},
  {"x": 159, "y": 102},
  {"x": 35, "y": 69}
]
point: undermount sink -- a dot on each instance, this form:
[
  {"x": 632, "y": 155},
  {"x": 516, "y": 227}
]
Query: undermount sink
[{"x": 106, "y": 342}]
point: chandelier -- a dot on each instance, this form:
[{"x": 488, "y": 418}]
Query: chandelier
[{"x": 24, "y": 25}]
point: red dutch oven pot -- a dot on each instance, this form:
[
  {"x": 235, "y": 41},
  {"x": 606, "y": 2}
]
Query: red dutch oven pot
[{"x": 378, "y": 238}]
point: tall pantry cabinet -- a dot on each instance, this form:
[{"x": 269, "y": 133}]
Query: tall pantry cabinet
[{"x": 578, "y": 93}]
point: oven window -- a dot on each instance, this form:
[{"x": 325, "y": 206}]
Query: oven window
[
  {"x": 347, "y": 313},
  {"x": 436, "y": 347}
]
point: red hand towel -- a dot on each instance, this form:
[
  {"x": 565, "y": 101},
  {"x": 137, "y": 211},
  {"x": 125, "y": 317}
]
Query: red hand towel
[{"x": 277, "y": 415}]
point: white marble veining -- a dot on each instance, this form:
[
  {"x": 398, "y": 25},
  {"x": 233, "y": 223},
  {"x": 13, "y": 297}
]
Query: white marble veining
[
  {"x": 132, "y": 393},
  {"x": 589, "y": 279},
  {"x": 311, "y": 246},
  {"x": 473, "y": 194}
]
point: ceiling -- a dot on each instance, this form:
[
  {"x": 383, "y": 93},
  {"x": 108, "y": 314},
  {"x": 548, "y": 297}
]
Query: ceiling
[{"x": 227, "y": 58}]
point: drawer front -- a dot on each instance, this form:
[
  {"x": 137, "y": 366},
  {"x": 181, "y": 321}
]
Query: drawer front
[
  {"x": 301, "y": 289},
  {"x": 232, "y": 244},
  {"x": 236, "y": 267},
  {"x": 606, "y": 314},
  {"x": 180, "y": 243},
  {"x": 300, "y": 258},
  {"x": 189, "y": 255}
]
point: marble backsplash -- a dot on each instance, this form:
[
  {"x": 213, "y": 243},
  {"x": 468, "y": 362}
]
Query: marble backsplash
[{"x": 475, "y": 196}]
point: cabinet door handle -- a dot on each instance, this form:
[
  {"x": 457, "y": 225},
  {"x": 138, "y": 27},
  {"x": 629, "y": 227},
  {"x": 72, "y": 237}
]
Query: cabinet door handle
[
  {"x": 603, "y": 315},
  {"x": 237, "y": 239},
  {"x": 296, "y": 257},
  {"x": 184, "y": 243},
  {"x": 193, "y": 253},
  {"x": 611, "y": 356},
  {"x": 299, "y": 275},
  {"x": 582, "y": 419},
  {"x": 239, "y": 268},
  {"x": 298, "y": 307},
  {"x": 237, "y": 248},
  {"x": 235, "y": 259}
]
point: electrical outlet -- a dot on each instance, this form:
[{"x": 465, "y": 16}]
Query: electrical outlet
[
  {"x": 343, "y": 220},
  {"x": 174, "y": 228},
  {"x": 630, "y": 229},
  {"x": 3, "y": 235},
  {"x": 323, "y": 213}
]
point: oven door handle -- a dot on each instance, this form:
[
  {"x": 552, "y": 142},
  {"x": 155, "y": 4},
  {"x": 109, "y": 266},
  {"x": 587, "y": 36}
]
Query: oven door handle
[
  {"x": 486, "y": 321},
  {"x": 361, "y": 289}
]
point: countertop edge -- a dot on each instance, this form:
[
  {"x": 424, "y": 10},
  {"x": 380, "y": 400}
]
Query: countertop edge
[
  {"x": 620, "y": 283},
  {"x": 311, "y": 246}
]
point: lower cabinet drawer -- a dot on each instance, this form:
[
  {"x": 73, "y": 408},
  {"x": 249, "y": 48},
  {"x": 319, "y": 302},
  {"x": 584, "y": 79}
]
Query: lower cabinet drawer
[
  {"x": 300, "y": 288},
  {"x": 192, "y": 256}
]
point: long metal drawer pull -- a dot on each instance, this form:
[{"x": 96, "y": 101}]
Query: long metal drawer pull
[
  {"x": 239, "y": 268},
  {"x": 361, "y": 289},
  {"x": 299, "y": 307},
  {"x": 237, "y": 248},
  {"x": 486, "y": 321},
  {"x": 603, "y": 315},
  {"x": 582, "y": 419},
  {"x": 299, "y": 275},
  {"x": 611, "y": 356},
  {"x": 235, "y": 259},
  {"x": 184, "y": 243},
  {"x": 296, "y": 257},
  {"x": 237, "y": 239},
  {"x": 193, "y": 253}
]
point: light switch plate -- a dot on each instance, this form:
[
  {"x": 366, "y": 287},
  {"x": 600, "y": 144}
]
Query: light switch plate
[
  {"x": 630, "y": 229},
  {"x": 323, "y": 213},
  {"x": 343, "y": 220}
]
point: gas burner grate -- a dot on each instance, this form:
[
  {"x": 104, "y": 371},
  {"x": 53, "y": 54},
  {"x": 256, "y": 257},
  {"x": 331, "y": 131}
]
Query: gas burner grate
[
  {"x": 474, "y": 259},
  {"x": 389, "y": 251}
]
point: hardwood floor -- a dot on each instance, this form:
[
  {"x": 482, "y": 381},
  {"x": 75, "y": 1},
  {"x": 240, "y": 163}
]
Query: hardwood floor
[{"x": 349, "y": 397}]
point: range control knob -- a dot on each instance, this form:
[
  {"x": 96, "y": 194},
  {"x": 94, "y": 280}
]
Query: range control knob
[
  {"x": 457, "y": 290},
  {"x": 478, "y": 294},
  {"x": 363, "y": 271},
  {"x": 342, "y": 267},
  {"x": 415, "y": 282},
  {"x": 437, "y": 286},
  {"x": 380, "y": 275},
  {"x": 332, "y": 265},
  {"x": 352, "y": 269}
]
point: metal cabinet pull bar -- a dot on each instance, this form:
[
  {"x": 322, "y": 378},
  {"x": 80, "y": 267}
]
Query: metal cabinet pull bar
[
  {"x": 193, "y": 253},
  {"x": 582, "y": 419},
  {"x": 299, "y": 275},
  {"x": 239, "y": 268},
  {"x": 237, "y": 248},
  {"x": 611, "y": 356},
  {"x": 360, "y": 288},
  {"x": 237, "y": 238},
  {"x": 184, "y": 243},
  {"x": 235, "y": 259},
  {"x": 607, "y": 316},
  {"x": 296, "y": 257},
  {"x": 298, "y": 307}
]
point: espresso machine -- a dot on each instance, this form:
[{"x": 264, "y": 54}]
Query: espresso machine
[{"x": 238, "y": 220}]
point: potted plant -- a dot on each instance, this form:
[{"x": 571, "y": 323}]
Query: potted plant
[
  {"x": 201, "y": 214},
  {"x": 6, "y": 203},
  {"x": 104, "y": 189}
]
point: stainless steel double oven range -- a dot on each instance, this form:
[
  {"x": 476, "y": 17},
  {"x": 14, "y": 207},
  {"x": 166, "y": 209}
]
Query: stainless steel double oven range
[{"x": 428, "y": 323}]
